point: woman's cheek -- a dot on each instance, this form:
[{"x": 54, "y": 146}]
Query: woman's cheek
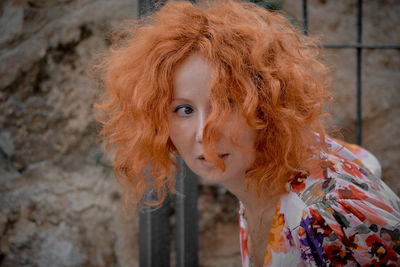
[{"x": 178, "y": 131}]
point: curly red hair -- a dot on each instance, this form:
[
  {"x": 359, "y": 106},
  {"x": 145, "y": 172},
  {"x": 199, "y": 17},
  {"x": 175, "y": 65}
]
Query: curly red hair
[{"x": 263, "y": 67}]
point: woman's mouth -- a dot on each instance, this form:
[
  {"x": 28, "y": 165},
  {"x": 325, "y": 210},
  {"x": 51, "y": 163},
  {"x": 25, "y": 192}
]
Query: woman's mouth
[{"x": 210, "y": 164}]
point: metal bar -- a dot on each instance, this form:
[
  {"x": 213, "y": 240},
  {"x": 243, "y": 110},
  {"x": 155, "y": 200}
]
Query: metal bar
[
  {"x": 359, "y": 98},
  {"x": 362, "y": 46},
  {"x": 359, "y": 22},
  {"x": 305, "y": 18},
  {"x": 359, "y": 75},
  {"x": 155, "y": 236},
  {"x": 144, "y": 7},
  {"x": 147, "y": 6},
  {"x": 186, "y": 218}
]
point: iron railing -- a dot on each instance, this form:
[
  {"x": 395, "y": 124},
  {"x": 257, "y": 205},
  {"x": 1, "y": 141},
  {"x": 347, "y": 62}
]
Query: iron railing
[
  {"x": 359, "y": 46},
  {"x": 155, "y": 228}
]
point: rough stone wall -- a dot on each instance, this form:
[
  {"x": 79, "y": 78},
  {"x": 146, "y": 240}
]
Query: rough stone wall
[{"x": 59, "y": 202}]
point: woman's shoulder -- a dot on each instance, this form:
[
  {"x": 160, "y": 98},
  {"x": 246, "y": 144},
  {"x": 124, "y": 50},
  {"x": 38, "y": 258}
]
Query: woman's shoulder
[
  {"x": 357, "y": 155},
  {"x": 340, "y": 175},
  {"x": 334, "y": 186},
  {"x": 348, "y": 215}
]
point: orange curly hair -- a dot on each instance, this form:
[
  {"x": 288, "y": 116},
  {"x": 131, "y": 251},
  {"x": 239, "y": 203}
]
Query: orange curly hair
[{"x": 262, "y": 64}]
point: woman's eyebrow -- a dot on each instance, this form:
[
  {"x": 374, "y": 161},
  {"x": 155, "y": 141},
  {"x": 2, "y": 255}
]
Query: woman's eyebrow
[{"x": 181, "y": 99}]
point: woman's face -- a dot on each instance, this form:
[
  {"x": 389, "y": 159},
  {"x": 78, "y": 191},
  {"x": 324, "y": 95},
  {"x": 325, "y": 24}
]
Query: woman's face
[{"x": 189, "y": 111}]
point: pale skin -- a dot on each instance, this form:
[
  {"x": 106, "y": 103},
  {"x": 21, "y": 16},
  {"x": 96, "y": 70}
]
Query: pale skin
[{"x": 188, "y": 115}]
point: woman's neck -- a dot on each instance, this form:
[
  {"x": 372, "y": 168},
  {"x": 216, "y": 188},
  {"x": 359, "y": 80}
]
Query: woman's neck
[
  {"x": 259, "y": 217},
  {"x": 249, "y": 196}
]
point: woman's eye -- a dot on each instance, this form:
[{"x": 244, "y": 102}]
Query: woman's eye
[{"x": 183, "y": 111}]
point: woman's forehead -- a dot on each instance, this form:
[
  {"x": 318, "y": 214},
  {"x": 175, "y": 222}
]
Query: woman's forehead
[
  {"x": 193, "y": 74},
  {"x": 194, "y": 64}
]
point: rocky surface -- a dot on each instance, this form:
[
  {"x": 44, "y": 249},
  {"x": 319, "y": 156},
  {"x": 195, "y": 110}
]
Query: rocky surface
[
  {"x": 59, "y": 202},
  {"x": 53, "y": 217}
]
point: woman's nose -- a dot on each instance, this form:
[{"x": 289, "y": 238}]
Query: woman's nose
[{"x": 200, "y": 128}]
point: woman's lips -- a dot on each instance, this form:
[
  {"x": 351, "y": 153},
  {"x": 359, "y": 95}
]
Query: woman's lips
[{"x": 208, "y": 164}]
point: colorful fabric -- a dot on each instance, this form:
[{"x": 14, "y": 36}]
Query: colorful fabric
[{"x": 338, "y": 213}]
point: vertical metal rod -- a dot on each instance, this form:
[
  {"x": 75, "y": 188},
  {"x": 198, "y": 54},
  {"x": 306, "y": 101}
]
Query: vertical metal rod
[
  {"x": 186, "y": 218},
  {"x": 359, "y": 75},
  {"x": 147, "y": 6},
  {"x": 155, "y": 236},
  {"x": 305, "y": 18},
  {"x": 144, "y": 6}
]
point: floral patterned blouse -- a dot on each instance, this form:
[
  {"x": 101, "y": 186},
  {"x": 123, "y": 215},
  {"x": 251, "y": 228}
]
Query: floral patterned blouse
[{"x": 339, "y": 213}]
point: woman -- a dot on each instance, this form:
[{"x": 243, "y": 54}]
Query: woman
[{"x": 238, "y": 93}]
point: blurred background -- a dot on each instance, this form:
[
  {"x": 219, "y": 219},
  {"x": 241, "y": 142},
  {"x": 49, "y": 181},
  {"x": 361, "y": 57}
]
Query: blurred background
[{"x": 59, "y": 202}]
